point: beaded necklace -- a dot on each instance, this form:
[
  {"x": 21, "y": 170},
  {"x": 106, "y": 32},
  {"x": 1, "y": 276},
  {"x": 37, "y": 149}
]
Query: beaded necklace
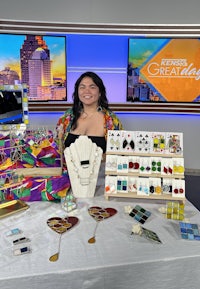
[{"x": 83, "y": 166}]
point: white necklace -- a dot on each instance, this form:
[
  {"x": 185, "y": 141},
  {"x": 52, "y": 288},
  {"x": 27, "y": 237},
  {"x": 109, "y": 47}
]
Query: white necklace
[
  {"x": 84, "y": 167},
  {"x": 83, "y": 159}
]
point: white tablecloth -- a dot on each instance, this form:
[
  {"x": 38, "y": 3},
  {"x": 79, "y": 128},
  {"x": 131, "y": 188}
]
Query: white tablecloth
[{"x": 117, "y": 260}]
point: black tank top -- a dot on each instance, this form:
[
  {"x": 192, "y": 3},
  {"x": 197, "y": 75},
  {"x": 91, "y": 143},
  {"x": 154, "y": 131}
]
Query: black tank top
[{"x": 100, "y": 141}]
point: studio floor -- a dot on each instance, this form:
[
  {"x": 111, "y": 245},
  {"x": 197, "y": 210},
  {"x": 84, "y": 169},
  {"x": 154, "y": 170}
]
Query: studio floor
[{"x": 192, "y": 189}]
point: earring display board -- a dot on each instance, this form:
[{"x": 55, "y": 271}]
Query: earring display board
[
  {"x": 141, "y": 164},
  {"x": 30, "y": 152},
  {"x": 31, "y": 165},
  {"x": 83, "y": 159}
]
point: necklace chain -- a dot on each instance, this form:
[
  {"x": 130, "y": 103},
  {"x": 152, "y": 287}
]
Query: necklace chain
[
  {"x": 84, "y": 168},
  {"x": 84, "y": 114}
]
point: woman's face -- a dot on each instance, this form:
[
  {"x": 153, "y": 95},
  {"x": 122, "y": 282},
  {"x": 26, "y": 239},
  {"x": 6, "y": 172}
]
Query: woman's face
[{"x": 88, "y": 92}]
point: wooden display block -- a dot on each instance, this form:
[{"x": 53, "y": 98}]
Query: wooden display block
[{"x": 37, "y": 172}]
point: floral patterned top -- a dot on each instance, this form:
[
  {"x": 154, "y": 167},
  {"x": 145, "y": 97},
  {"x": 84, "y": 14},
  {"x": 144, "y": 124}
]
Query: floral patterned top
[{"x": 111, "y": 122}]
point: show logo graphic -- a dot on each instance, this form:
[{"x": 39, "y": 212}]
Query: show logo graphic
[
  {"x": 170, "y": 73},
  {"x": 173, "y": 68}
]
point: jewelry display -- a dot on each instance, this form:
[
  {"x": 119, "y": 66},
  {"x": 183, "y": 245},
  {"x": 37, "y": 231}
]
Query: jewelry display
[
  {"x": 36, "y": 136},
  {"x": 152, "y": 161},
  {"x": 111, "y": 163},
  {"x": 156, "y": 165},
  {"x": 12, "y": 182},
  {"x": 159, "y": 142},
  {"x": 189, "y": 231},
  {"x": 128, "y": 141},
  {"x": 20, "y": 244},
  {"x": 167, "y": 186},
  {"x": 178, "y": 166},
  {"x": 34, "y": 159},
  {"x": 122, "y": 164},
  {"x": 150, "y": 235},
  {"x": 60, "y": 226},
  {"x": 140, "y": 214},
  {"x": 132, "y": 184},
  {"x": 68, "y": 202},
  {"x": 111, "y": 184},
  {"x": 145, "y": 165},
  {"x": 175, "y": 211},
  {"x": 178, "y": 188},
  {"x": 155, "y": 186},
  {"x": 21, "y": 251},
  {"x": 143, "y": 142},
  {"x": 146, "y": 233},
  {"x": 174, "y": 143},
  {"x": 133, "y": 164},
  {"x": 122, "y": 184},
  {"x": 114, "y": 141},
  {"x": 143, "y": 187},
  {"x": 30, "y": 152},
  {"x": 83, "y": 159},
  {"x": 99, "y": 214}
]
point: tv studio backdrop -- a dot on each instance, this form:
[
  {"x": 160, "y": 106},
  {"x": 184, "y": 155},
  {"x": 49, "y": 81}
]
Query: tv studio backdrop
[{"x": 97, "y": 35}]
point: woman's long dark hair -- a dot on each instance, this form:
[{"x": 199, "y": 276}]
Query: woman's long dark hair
[{"x": 77, "y": 104}]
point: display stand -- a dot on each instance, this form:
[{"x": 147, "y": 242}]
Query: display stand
[
  {"x": 31, "y": 159},
  {"x": 30, "y": 165},
  {"x": 83, "y": 159},
  {"x": 146, "y": 165}
]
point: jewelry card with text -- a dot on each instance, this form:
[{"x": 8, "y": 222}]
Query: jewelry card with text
[
  {"x": 128, "y": 141},
  {"x": 111, "y": 184},
  {"x": 111, "y": 163},
  {"x": 174, "y": 143},
  {"x": 178, "y": 188},
  {"x": 159, "y": 142},
  {"x": 143, "y": 142},
  {"x": 114, "y": 141}
]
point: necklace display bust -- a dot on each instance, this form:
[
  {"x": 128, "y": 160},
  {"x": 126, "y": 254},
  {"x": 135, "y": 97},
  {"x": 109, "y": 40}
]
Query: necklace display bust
[{"x": 83, "y": 159}]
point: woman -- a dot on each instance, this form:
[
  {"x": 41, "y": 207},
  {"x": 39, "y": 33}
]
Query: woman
[{"x": 90, "y": 114}]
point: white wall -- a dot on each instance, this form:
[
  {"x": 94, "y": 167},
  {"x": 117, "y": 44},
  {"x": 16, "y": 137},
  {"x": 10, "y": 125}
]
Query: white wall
[{"x": 103, "y": 11}]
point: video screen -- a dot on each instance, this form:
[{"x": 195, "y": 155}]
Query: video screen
[
  {"x": 35, "y": 60},
  {"x": 11, "y": 110},
  {"x": 163, "y": 70}
]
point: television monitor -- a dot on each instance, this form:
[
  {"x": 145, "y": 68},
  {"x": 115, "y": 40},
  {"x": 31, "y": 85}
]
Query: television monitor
[
  {"x": 39, "y": 61},
  {"x": 13, "y": 106},
  {"x": 163, "y": 70}
]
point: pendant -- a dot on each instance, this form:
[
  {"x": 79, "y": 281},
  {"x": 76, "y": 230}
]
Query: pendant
[{"x": 84, "y": 181}]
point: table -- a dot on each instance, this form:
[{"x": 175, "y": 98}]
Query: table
[{"x": 117, "y": 260}]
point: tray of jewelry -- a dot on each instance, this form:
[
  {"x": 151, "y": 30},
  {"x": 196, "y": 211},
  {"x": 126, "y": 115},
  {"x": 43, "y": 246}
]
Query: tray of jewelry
[{"x": 12, "y": 207}]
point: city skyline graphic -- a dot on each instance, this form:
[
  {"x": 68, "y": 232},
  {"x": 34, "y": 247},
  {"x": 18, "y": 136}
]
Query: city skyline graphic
[{"x": 36, "y": 60}]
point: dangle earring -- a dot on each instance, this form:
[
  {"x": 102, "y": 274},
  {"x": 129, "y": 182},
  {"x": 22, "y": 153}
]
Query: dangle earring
[
  {"x": 83, "y": 114},
  {"x": 80, "y": 106},
  {"x": 99, "y": 107}
]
